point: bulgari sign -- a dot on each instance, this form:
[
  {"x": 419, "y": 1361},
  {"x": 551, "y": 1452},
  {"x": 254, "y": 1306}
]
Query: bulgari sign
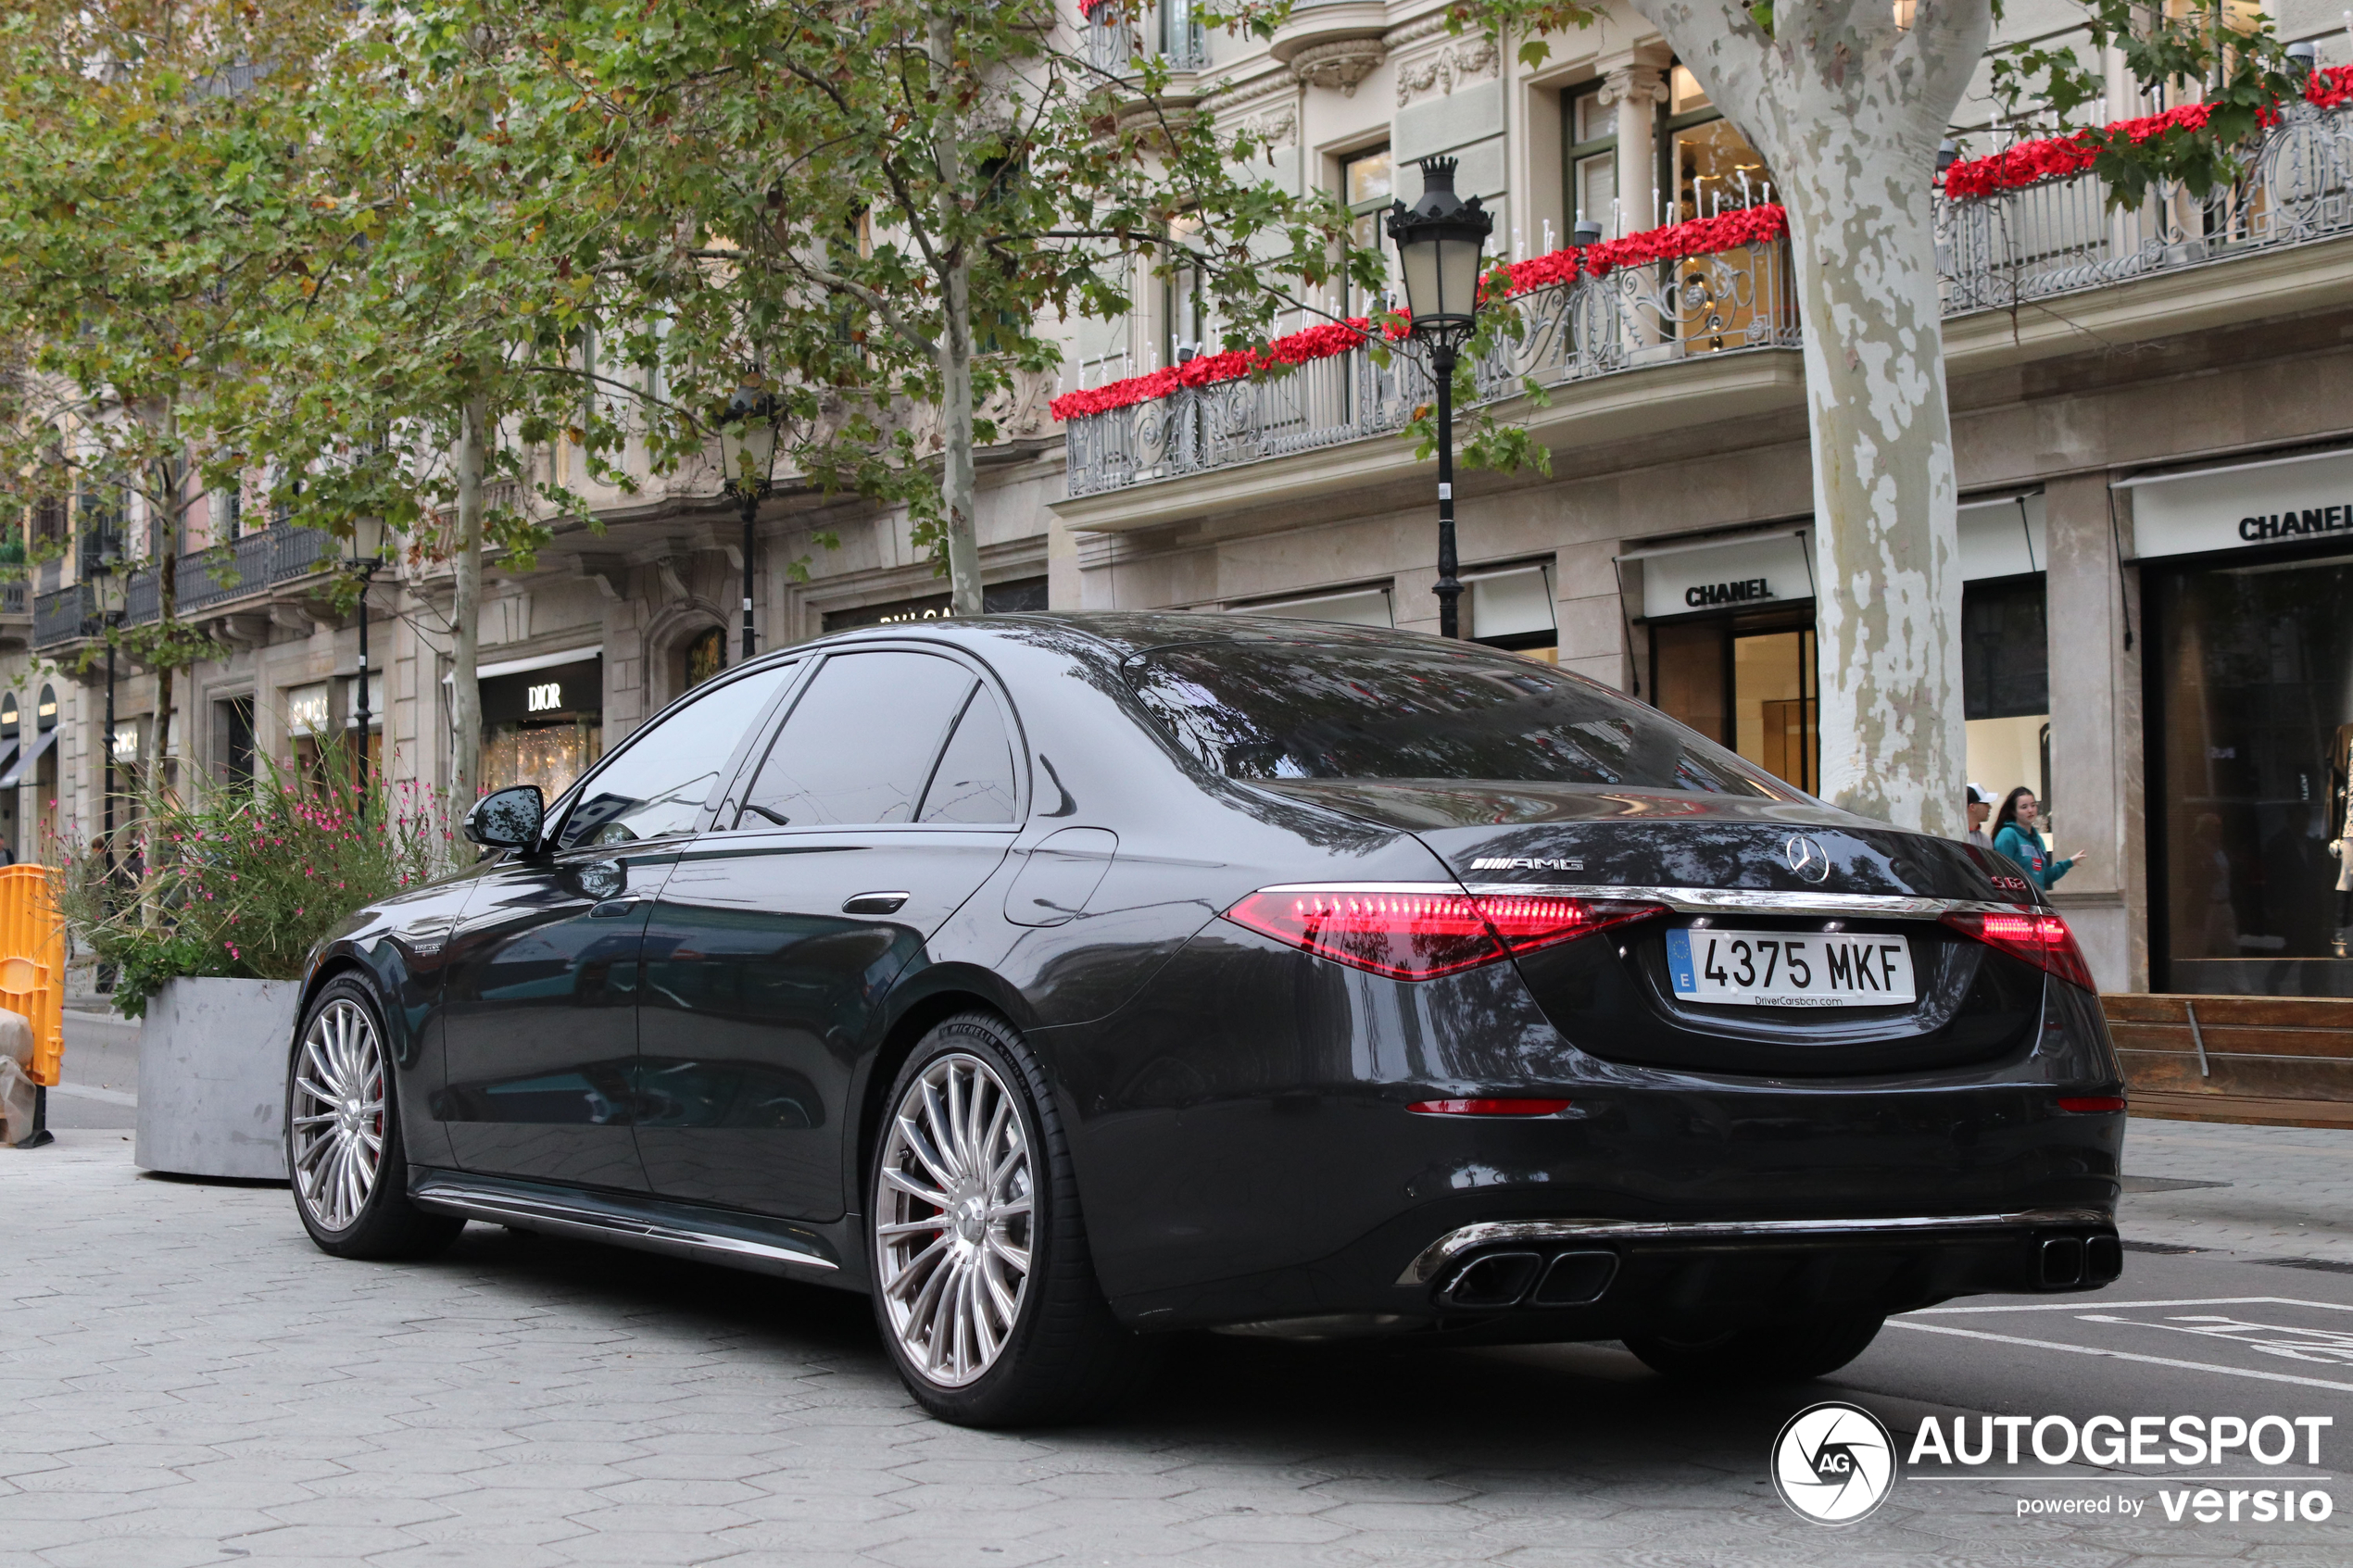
[{"x": 2283, "y": 500}]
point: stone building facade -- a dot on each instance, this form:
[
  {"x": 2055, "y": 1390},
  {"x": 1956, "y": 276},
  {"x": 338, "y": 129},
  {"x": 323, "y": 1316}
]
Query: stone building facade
[{"x": 2128, "y": 394}]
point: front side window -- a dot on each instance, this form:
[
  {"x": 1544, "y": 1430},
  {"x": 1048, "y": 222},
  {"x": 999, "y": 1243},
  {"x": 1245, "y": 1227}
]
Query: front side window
[
  {"x": 659, "y": 782},
  {"x": 1315, "y": 710},
  {"x": 861, "y": 742}
]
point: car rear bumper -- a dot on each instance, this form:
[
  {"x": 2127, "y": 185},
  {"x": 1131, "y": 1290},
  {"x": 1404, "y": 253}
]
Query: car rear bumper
[{"x": 1569, "y": 1279}]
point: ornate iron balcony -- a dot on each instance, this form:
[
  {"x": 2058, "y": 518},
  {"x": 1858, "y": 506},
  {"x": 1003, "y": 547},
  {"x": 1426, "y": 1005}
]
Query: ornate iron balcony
[{"x": 1732, "y": 300}]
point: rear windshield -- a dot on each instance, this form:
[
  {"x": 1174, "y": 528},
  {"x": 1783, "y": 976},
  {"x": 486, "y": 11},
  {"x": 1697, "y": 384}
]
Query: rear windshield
[{"x": 1268, "y": 710}]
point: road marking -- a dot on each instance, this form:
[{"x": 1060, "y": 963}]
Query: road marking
[
  {"x": 85, "y": 1091},
  {"x": 2327, "y": 1346},
  {"x": 2086, "y": 1302},
  {"x": 2121, "y": 1355}
]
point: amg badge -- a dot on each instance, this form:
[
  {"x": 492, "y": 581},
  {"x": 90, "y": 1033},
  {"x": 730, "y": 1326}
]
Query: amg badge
[{"x": 1524, "y": 864}]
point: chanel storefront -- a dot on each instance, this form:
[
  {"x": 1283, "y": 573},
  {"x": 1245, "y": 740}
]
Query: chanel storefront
[
  {"x": 1724, "y": 641},
  {"x": 2246, "y": 573}
]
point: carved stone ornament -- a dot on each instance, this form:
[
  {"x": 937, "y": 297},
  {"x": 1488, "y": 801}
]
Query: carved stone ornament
[
  {"x": 1277, "y": 127},
  {"x": 1643, "y": 84},
  {"x": 1341, "y": 65},
  {"x": 1471, "y": 60}
]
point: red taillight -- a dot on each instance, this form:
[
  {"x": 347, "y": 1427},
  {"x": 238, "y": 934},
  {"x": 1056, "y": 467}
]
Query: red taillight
[
  {"x": 2083, "y": 1104},
  {"x": 1526, "y": 923},
  {"x": 2042, "y": 940},
  {"x": 1415, "y": 935},
  {"x": 1487, "y": 1106}
]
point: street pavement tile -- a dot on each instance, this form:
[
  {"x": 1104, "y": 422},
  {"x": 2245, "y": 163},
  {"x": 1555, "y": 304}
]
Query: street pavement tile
[
  {"x": 146, "y": 1551},
  {"x": 1290, "y": 1529},
  {"x": 341, "y": 1542},
  {"x": 970, "y": 1552},
  {"x": 470, "y": 1554}
]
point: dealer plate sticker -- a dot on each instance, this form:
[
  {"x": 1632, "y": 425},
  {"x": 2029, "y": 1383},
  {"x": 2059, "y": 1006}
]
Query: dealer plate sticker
[{"x": 1785, "y": 969}]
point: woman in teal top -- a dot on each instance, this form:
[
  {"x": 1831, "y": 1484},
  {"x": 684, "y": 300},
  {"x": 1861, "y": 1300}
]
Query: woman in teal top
[{"x": 2014, "y": 835}]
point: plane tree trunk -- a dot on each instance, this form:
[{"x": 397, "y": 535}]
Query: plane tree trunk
[{"x": 1847, "y": 109}]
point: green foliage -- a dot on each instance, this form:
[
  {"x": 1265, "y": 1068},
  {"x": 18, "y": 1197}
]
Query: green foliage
[
  {"x": 2237, "y": 64},
  {"x": 247, "y": 881}
]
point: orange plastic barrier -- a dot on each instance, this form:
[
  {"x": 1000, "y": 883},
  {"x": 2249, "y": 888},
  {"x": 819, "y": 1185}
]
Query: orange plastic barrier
[{"x": 32, "y": 964}]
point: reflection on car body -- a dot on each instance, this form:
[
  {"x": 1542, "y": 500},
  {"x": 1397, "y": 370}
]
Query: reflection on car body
[{"x": 1189, "y": 971}]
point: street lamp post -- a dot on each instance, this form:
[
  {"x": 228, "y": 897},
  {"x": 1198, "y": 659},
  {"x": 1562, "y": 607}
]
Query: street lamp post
[
  {"x": 110, "y": 585},
  {"x": 1440, "y": 239},
  {"x": 367, "y": 554},
  {"x": 748, "y": 441}
]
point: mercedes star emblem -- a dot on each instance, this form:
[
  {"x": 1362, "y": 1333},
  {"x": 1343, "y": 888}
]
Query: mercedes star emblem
[{"x": 1808, "y": 857}]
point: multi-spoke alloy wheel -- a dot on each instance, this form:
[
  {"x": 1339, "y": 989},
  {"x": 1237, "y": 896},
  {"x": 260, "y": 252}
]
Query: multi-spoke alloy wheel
[
  {"x": 952, "y": 1234},
  {"x": 337, "y": 1114}
]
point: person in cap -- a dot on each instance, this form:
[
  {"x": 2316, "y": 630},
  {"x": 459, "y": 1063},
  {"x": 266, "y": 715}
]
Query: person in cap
[{"x": 1981, "y": 805}]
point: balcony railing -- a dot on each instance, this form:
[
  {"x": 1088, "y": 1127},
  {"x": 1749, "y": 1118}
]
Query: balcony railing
[
  {"x": 2038, "y": 240},
  {"x": 1112, "y": 36},
  {"x": 2058, "y": 237},
  {"x": 1735, "y": 299},
  {"x": 204, "y": 580}
]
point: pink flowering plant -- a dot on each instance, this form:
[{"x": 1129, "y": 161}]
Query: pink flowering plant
[{"x": 245, "y": 881}]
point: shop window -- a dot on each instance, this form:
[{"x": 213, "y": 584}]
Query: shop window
[
  {"x": 705, "y": 657},
  {"x": 2249, "y": 747},
  {"x": 1360, "y": 607},
  {"x": 1688, "y": 677},
  {"x": 2006, "y": 689},
  {"x": 1513, "y": 610},
  {"x": 1752, "y": 690},
  {"x": 1589, "y": 160},
  {"x": 543, "y": 726}
]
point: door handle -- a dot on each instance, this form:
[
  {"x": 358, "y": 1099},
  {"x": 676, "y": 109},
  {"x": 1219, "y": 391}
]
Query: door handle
[
  {"x": 873, "y": 903},
  {"x": 613, "y": 908}
]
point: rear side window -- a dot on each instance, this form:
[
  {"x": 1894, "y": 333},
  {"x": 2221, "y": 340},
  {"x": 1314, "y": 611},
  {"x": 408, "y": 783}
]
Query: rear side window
[
  {"x": 860, "y": 744},
  {"x": 975, "y": 779},
  {"x": 1264, "y": 709},
  {"x": 659, "y": 782}
]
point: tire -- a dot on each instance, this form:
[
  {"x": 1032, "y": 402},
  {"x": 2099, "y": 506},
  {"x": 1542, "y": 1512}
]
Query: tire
[
  {"x": 952, "y": 1248},
  {"x": 1776, "y": 1353},
  {"x": 343, "y": 1142}
]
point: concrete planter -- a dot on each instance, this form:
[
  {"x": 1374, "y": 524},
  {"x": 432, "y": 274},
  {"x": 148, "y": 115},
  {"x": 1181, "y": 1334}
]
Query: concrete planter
[{"x": 212, "y": 1077}]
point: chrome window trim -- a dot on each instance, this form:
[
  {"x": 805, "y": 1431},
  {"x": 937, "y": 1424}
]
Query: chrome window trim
[{"x": 1453, "y": 1244}]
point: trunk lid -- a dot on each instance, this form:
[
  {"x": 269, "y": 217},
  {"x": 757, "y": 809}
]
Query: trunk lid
[{"x": 1611, "y": 995}]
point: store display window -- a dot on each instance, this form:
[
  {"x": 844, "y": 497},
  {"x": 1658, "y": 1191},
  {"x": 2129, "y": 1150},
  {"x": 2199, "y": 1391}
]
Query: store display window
[{"x": 2250, "y": 738}]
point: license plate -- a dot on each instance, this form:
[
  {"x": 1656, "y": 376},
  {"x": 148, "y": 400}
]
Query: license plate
[{"x": 1783, "y": 968}]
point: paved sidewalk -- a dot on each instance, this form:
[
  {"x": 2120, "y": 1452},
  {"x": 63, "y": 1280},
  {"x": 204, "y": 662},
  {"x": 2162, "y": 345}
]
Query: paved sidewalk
[
  {"x": 2268, "y": 1192},
  {"x": 187, "y": 1382}
]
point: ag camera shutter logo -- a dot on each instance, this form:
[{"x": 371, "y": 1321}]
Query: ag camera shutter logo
[{"x": 1834, "y": 1463}]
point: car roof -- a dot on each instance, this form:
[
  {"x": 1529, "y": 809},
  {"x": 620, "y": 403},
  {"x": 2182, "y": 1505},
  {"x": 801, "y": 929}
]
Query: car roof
[{"x": 1123, "y": 632}]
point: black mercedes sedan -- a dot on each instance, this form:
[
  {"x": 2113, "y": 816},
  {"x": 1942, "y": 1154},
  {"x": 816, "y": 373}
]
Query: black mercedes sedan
[{"x": 1065, "y": 982}]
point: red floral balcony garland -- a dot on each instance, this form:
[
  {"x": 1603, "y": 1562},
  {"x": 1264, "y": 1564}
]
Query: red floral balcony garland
[
  {"x": 1701, "y": 236},
  {"x": 2025, "y": 164},
  {"x": 2029, "y": 163}
]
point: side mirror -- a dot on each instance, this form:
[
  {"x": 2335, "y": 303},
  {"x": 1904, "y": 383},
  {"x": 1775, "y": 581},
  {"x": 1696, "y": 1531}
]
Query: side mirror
[{"x": 508, "y": 818}]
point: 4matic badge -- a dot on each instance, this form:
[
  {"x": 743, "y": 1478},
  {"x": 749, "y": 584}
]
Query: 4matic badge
[{"x": 1833, "y": 1463}]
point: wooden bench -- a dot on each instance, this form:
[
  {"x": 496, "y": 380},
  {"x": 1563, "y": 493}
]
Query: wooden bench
[{"x": 2282, "y": 1061}]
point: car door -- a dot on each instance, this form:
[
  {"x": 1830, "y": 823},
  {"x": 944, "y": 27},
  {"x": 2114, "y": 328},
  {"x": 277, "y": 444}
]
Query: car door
[
  {"x": 885, "y": 798},
  {"x": 540, "y": 1014}
]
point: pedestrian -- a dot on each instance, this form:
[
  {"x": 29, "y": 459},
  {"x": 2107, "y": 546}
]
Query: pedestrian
[
  {"x": 1981, "y": 805},
  {"x": 2015, "y": 835}
]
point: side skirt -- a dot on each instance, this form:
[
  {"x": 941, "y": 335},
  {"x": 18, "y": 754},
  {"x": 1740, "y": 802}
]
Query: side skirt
[{"x": 811, "y": 1254}]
